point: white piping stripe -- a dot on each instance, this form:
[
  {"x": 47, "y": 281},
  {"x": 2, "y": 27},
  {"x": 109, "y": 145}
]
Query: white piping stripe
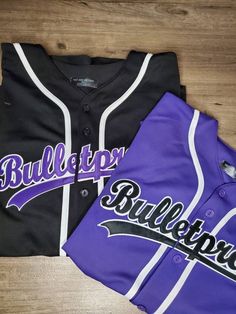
[
  {"x": 223, "y": 221},
  {"x": 62, "y": 106},
  {"x": 116, "y": 104},
  {"x": 197, "y": 166},
  {"x": 175, "y": 290},
  {"x": 143, "y": 274},
  {"x": 181, "y": 281},
  {"x": 157, "y": 256}
]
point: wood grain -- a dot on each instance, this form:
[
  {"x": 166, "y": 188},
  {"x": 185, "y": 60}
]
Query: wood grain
[
  {"x": 202, "y": 33},
  {"x": 54, "y": 285}
]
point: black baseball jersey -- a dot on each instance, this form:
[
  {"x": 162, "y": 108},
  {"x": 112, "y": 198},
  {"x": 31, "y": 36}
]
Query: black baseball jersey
[{"x": 65, "y": 123}]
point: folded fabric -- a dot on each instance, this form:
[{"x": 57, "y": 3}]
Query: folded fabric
[
  {"x": 60, "y": 116},
  {"x": 162, "y": 232}
]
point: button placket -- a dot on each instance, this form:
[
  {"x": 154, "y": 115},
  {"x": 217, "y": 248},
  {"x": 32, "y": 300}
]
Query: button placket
[
  {"x": 205, "y": 212},
  {"x": 210, "y": 212}
]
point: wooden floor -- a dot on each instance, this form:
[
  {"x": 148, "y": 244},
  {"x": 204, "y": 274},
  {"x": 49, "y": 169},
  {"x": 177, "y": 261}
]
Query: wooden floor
[{"x": 202, "y": 33}]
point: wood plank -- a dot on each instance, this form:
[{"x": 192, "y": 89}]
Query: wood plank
[{"x": 201, "y": 32}]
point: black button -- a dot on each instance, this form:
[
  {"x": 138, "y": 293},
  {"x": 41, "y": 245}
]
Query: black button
[
  {"x": 86, "y": 108},
  {"x": 86, "y": 131},
  {"x": 84, "y": 193}
]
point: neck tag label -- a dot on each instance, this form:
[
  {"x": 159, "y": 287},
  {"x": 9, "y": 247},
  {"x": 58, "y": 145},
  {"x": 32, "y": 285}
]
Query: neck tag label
[
  {"x": 228, "y": 169},
  {"x": 84, "y": 82}
]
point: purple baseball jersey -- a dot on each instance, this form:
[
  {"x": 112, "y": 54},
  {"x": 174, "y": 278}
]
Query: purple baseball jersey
[{"x": 162, "y": 232}]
